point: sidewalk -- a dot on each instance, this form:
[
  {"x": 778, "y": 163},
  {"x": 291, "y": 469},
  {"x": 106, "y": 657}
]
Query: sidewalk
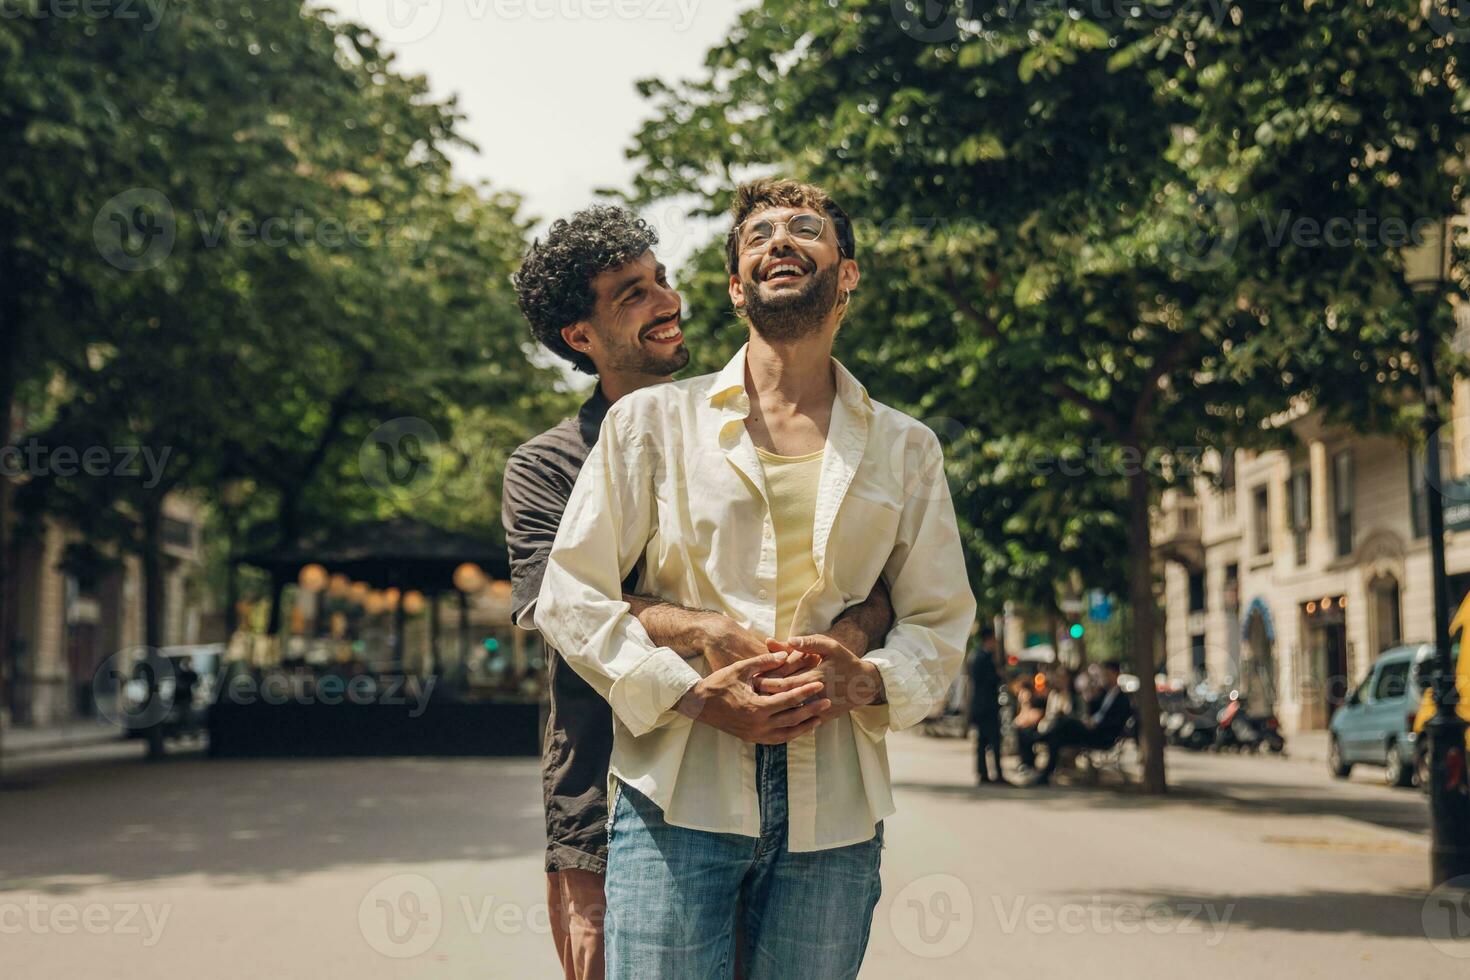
[
  {"x": 20, "y": 741},
  {"x": 1307, "y": 747}
]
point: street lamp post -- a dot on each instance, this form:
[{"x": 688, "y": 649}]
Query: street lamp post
[{"x": 1427, "y": 271}]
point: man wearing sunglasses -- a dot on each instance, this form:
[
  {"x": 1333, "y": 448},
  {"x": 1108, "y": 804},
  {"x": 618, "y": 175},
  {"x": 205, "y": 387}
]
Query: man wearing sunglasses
[
  {"x": 777, "y": 493},
  {"x": 595, "y": 294}
]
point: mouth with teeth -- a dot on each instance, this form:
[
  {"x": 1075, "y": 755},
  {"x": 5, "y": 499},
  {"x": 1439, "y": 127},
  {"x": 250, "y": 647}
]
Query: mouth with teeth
[
  {"x": 787, "y": 270},
  {"x": 666, "y": 334}
]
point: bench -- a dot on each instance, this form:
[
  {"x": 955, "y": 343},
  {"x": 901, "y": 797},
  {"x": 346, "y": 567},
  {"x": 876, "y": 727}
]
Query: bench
[{"x": 1113, "y": 758}]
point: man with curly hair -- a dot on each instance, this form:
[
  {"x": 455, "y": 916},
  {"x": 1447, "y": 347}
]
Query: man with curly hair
[
  {"x": 595, "y": 294},
  {"x": 777, "y": 493}
]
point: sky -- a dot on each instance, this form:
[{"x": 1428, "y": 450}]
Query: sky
[{"x": 547, "y": 86}]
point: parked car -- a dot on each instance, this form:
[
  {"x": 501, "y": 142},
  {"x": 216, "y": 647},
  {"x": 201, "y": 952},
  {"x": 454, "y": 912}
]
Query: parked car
[{"x": 1376, "y": 725}]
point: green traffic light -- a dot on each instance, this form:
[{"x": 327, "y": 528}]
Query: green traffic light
[
  {"x": 1076, "y": 631},
  {"x": 491, "y": 644}
]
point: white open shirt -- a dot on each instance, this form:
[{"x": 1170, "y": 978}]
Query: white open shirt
[{"x": 674, "y": 480}]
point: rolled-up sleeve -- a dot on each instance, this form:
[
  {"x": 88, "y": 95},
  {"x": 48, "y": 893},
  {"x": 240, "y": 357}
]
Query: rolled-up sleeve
[
  {"x": 933, "y": 607},
  {"x": 580, "y": 609}
]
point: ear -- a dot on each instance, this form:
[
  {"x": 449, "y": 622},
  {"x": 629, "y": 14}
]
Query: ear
[
  {"x": 578, "y": 336},
  {"x": 848, "y": 274},
  {"x": 737, "y": 294}
]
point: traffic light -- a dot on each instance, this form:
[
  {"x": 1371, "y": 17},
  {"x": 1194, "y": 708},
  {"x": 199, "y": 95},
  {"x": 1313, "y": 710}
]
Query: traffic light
[
  {"x": 1076, "y": 631},
  {"x": 491, "y": 644}
]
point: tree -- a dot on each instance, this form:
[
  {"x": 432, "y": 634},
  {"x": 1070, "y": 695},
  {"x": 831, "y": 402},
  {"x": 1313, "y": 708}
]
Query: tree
[
  {"x": 1053, "y": 255},
  {"x": 233, "y": 235}
]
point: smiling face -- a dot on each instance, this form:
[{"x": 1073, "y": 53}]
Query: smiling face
[
  {"x": 634, "y": 329},
  {"x": 789, "y": 286}
]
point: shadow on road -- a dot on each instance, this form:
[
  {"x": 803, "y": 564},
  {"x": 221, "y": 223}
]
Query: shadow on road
[
  {"x": 1394, "y": 916},
  {"x": 249, "y": 821},
  {"x": 1389, "y": 809}
]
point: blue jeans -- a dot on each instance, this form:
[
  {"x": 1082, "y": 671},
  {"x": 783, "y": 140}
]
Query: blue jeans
[{"x": 672, "y": 894}]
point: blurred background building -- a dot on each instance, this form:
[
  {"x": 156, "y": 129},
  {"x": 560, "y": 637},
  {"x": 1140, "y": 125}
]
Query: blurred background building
[
  {"x": 79, "y": 601},
  {"x": 1293, "y": 574}
]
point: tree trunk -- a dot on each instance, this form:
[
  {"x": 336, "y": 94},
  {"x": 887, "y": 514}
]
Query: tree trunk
[
  {"x": 8, "y": 592},
  {"x": 9, "y": 599},
  {"x": 278, "y": 601},
  {"x": 153, "y": 608},
  {"x": 232, "y": 596},
  {"x": 288, "y": 520},
  {"x": 1141, "y": 632}
]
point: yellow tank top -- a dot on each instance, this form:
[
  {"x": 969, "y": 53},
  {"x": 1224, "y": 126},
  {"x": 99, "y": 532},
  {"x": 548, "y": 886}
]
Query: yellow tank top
[{"x": 791, "y": 482}]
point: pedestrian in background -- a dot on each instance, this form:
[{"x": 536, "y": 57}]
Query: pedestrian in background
[{"x": 985, "y": 707}]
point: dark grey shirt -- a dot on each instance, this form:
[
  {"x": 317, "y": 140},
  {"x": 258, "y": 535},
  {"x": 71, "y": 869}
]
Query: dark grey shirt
[{"x": 578, "y": 740}]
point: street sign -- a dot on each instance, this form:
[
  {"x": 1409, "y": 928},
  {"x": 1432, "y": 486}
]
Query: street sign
[
  {"x": 1457, "y": 504},
  {"x": 1099, "y": 606}
]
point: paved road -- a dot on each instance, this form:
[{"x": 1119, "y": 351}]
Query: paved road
[{"x": 325, "y": 869}]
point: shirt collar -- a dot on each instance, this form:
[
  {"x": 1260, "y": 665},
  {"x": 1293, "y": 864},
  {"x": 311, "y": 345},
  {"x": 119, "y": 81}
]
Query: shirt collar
[
  {"x": 591, "y": 414},
  {"x": 729, "y": 388}
]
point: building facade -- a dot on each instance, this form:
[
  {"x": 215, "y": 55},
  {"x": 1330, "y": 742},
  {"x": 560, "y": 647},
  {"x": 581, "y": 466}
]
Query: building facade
[
  {"x": 1289, "y": 579},
  {"x": 78, "y": 604}
]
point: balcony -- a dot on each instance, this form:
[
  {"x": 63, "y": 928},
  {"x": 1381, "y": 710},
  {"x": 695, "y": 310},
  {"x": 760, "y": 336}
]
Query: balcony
[{"x": 1176, "y": 531}]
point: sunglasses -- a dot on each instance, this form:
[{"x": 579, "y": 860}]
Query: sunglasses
[{"x": 755, "y": 235}]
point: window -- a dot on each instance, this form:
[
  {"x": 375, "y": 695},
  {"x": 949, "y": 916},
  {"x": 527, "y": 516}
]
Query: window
[
  {"x": 1261, "y": 518},
  {"x": 1342, "y": 502},
  {"x": 1393, "y": 681},
  {"x": 1196, "y": 591},
  {"x": 1299, "y": 510},
  {"x": 178, "y": 534},
  {"x": 1418, "y": 489},
  {"x": 1227, "y": 482},
  {"x": 1230, "y": 595},
  {"x": 1197, "y": 656}
]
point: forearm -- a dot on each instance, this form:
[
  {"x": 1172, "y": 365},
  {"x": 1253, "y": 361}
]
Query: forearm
[
  {"x": 671, "y": 625},
  {"x": 862, "y": 628}
]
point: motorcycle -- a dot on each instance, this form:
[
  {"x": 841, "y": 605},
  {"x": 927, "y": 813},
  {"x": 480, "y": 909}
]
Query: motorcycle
[
  {"x": 1237, "y": 729},
  {"x": 1190, "y": 718}
]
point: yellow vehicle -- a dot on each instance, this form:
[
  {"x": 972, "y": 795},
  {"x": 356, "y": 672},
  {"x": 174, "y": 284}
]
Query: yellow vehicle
[{"x": 1426, "y": 704}]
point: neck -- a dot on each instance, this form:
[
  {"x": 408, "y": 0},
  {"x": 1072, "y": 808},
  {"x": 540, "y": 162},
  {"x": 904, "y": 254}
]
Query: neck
[
  {"x": 797, "y": 373},
  {"x": 616, "y": 384}
]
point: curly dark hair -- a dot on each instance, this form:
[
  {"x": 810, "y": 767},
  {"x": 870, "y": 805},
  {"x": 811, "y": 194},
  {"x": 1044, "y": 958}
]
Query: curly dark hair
[{"x": 554, "y": 284}]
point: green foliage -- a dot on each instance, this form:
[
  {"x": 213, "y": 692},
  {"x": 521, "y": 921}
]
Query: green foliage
[
  {"x": 232, "y": 234},
  {"x": 1071, "y": 245},
  {"x": 1067, "y": 224}
]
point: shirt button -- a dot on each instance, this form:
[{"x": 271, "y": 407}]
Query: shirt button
[{"x": 763, "y": 594}]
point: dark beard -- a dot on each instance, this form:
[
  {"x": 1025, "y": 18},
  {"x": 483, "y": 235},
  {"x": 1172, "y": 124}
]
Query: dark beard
[
  {"x": 636, "y": 359},
  {"x": 793, "y": 314}
]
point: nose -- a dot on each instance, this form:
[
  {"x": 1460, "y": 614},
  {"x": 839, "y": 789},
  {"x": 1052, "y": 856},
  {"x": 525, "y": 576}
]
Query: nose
[
  {"x": 671, "y": 297},
  {"x": 780, "y": 235}
]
